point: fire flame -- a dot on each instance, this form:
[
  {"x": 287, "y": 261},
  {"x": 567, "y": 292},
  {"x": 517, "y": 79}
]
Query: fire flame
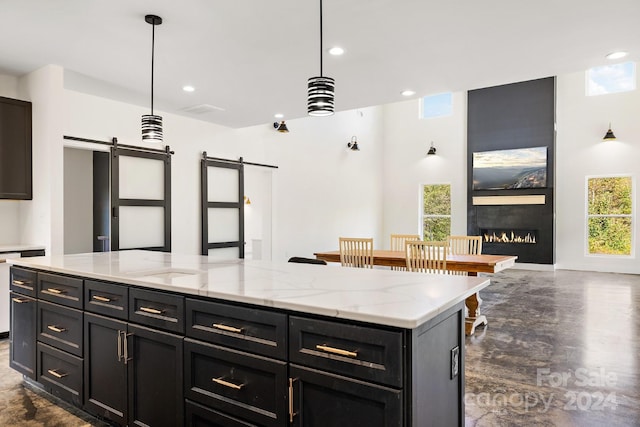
[{"x": 508, "y": 237}]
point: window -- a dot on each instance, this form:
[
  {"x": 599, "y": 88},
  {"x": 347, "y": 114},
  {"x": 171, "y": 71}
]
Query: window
[
  {"x": 611, "y": 79},
  {"x": 436, "y": 212},
  {"x": 609, "y": 215},
  {"x": 436, "y": 106}
]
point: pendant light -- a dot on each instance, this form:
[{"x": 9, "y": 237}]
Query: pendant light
[
  {"x": 320, "y": 89},
  {"x": 609, "y": 136},
  {"x": 152, "y": 124}
]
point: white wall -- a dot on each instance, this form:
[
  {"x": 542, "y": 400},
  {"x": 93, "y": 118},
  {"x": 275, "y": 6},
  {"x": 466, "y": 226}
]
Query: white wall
[
  {"x": 580, "y": 152},
  {"x": 78, "y": 201},
  {"x": 407, "y": 168},
  {"x": 41, "y": 218},
  {"x": 323, "y": 190}
]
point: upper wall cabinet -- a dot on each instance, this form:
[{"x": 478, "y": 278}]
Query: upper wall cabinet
[{"x": 15, "y": 149}]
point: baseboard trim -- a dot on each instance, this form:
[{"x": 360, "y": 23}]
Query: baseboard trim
[{"x": 534, "y": 267}]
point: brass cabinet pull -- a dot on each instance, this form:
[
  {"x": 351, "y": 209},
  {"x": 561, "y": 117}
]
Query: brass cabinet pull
[
  {"x": 101, "y": 298},
  {"x": 150, "y": 310},
  {"x": 55, "y": 291},
  {"x": 337, "y": 351},
  {"x": 227, "y": 383},
  {"x": 291, "y": 411},
  {"x": 19, "y": 282},
  {"x": 227, "y": 328},
  {"x": 55, "y": 328},
  {"x": 19, "y": 300},
  {"x": 56, "y": 374}
]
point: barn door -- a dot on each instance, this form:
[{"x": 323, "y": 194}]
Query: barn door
[
  {"x": 140, "y": 199},
  {"x": 222, "y": 187}
]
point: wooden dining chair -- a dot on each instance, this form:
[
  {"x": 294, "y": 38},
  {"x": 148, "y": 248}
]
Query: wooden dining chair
[
  {"x": 464, "y": 245},
  {"x": 398, "y": 244},
  {"x": 426, "y": 257},
  {"x": 356, "y": 252},
  {"x": 398, "y": 240}
]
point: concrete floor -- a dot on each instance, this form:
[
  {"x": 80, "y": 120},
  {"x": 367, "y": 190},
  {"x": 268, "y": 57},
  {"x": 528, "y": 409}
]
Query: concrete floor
[{"x": 561, "y": 349}]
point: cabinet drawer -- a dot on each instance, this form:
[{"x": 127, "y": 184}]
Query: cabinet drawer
[
  {"x": 60, "y": 289},
  {"x": 253, "y": 330},
  {"x": 106, "y": 298},
  {"x": 357, "y": 351},
  {"x": 157, "y": 309},
  {"x": 60, "y": 327},
  {"x": 23, "y": 281},
  {"x": 240, "y": 384},
  {"x": 201, "y": 416},
  {"x": 60, "y": 373}
]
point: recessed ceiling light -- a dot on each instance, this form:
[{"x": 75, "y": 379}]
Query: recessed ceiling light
[
  {"x": 617, "y": 55},
  {"x": 188, "y": 88},
  {"x": 278, "y": 115},
  {"x": 408, "y": 92},
  {"x": 336, "y": 50}
]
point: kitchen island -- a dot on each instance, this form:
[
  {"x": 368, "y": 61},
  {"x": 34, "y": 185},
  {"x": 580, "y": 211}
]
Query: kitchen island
[{"x": 139, "y": 337}]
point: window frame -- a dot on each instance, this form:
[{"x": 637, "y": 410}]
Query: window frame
[
  {"x": 422, "y": 215},
  {"x": 587, "y": 79},
  {"x": 632, "y": 215},
  {"x": 421, "y": 106}
]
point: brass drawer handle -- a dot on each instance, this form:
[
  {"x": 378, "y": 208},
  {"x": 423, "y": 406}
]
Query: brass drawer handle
[
  {"x": 56, "y": 374},
  {"x": 337, "y": 351},
  {"x": 227, "y": 328},
  {"x": 54, "y": 328},
  {"x": 55, "y": 291},
  {"x": 19, "y": 282},
  {"x": 227, "y": 383},
  {"x": 150, "y": 310},
  {"x": 101, "y": 298},
  {"x": 19, "y": 300}
]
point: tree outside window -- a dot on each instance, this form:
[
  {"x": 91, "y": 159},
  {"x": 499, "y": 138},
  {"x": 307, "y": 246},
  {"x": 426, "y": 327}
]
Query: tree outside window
[
  {"x": 609, "y": 215},
  {"x": 436, "y": 212}
]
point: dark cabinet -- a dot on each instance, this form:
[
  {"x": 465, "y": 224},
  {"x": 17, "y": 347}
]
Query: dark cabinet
[
  {"x": 22, "y": 334},
  {"x": 105, "y": 372},
  {"x": 15, "y": 149},
  {"x": 133, "y": 374},
  {"x": 322, "y": 399}
]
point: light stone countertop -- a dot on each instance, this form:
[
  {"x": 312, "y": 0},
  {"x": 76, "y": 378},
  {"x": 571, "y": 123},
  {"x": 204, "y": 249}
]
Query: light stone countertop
[{"x": 393, "y": 298}]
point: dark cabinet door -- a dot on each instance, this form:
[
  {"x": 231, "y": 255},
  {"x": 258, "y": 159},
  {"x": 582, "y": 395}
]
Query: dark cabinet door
[
  {"x": 22, "y": 340},
  {"x": 155, "y": 378},
  {"x": 321, "y": 399},
  {"x": 15, "y": 149},
  {"x": 105, "y": 373}
]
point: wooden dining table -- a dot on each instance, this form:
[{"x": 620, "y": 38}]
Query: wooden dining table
[{"x": 472, "y": 264}]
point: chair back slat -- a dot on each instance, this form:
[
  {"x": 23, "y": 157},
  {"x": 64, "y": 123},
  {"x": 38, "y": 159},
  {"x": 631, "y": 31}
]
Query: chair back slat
[{"x": 356, "y": 252}]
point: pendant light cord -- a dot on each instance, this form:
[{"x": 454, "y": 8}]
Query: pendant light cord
[
  {"x": 153, "y": 44},
  {"x": 320, "y": 38}
]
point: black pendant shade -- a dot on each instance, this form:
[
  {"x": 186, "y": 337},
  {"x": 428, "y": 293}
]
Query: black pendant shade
[
  {"x": 609, "y": 136},
  {"x": 320, "y": 91},
  {"x": 151, "y": 123}
]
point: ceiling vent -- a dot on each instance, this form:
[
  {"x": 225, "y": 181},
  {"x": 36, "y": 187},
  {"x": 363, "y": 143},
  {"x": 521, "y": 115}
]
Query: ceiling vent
[{"x": 202, "y": 109}]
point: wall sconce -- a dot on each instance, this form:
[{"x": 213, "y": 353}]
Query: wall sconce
[
  {"x": 353, "y": 144},
  {"x": 432, "y": 150},
  {"x": 609, "y": 136},
  {"x": 281, "y": 127},
  {"x": 247, "y": 200}
]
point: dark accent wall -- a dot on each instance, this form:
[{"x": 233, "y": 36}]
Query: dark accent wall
[{"x": 518, "y": 115}]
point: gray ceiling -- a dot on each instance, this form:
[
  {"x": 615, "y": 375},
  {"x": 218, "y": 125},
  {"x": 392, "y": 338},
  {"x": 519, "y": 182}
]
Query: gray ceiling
[{"x": 252, "y": 58}]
